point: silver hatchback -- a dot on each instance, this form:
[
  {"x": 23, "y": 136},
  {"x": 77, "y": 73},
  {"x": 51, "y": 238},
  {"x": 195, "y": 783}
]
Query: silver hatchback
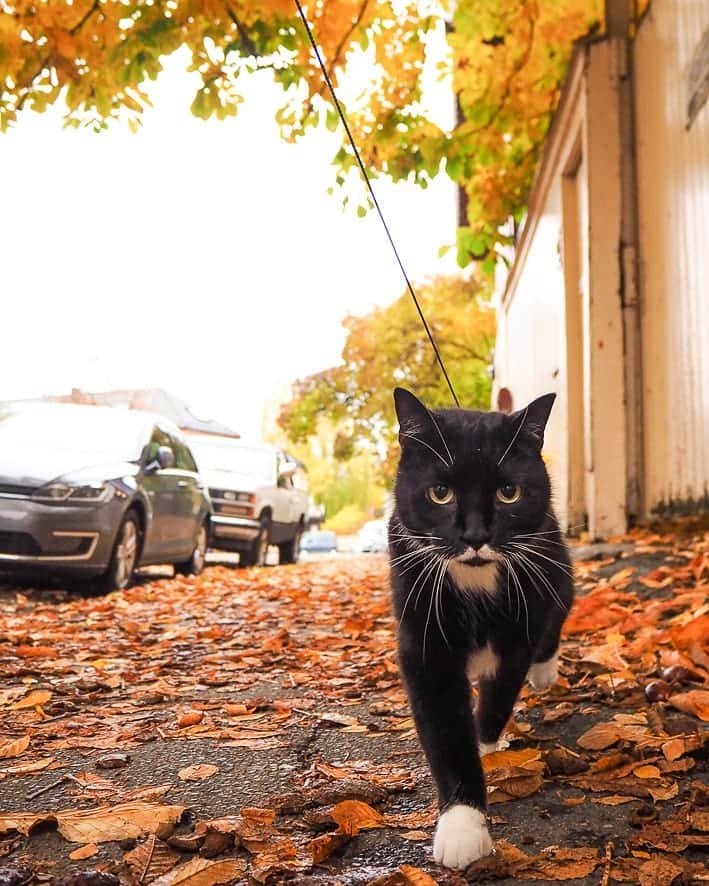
[{"x": 94, "y": 492}]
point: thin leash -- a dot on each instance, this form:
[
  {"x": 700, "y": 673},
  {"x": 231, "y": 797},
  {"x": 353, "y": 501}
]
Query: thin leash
[{"x": 368, "y": 182}]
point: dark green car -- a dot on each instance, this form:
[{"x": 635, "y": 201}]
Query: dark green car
[{"x": 93, "y": 492}]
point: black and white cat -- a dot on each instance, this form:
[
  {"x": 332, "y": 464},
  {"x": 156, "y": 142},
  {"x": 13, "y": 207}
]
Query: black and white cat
[{"x": 481, "y": 582}]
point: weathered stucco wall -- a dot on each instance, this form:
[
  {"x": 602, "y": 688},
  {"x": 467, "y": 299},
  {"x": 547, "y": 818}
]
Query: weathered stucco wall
[{"x": 673, "y": 208}]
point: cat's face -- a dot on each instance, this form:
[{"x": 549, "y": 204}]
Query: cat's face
[{"x": 471, "y": 481}]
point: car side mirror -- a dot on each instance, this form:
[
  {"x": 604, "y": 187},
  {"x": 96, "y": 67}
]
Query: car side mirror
[
  {"x": 287, "y": 469},
  {"x": 165, "y": 457}
]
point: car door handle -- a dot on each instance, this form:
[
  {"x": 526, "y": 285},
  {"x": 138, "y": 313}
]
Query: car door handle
[{"x": 183, "y": 483}]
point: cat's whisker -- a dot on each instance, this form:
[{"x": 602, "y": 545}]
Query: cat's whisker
[
  {"x": 440, "y": 434},
  {"x": 426, "y": 569},
  {"x": 418, "y": 551},
  {"x": 523, "y": 599},
  {"x": 424, "y": 443},
  {"x": 429, "y": 572},
  {"x": 440, "y": 563},
  {"x": 439, "y": 599},
  {"x": 531, "y": 550},
  {"x": 521, "y": 425},
  {"x": 539, "y": 572},
  {"x": 432, "y": 552},
  {"x": 413, "y": 588},
  {"x": 533, "y": 569}
]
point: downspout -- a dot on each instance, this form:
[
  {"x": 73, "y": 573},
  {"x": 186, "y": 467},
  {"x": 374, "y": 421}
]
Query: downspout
[{"x": 620, "y": 28}]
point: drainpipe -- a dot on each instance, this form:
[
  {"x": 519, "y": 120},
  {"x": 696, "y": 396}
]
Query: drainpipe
[{"x": 620, "y": 27}]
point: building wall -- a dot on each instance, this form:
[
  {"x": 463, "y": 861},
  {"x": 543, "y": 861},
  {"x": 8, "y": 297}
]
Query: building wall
[
  {"x": 673, "y": 208},
  {"x": 531, "y": 338},
  {"x": 560, "y": 318}
]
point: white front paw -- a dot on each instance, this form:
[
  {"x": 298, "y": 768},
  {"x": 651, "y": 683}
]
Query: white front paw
[
  {"x": 461, "y": 837},
  {"x": 544, "y": 674}
]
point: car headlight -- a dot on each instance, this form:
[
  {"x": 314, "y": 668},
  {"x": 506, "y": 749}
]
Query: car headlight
[{"x": 87, "y": 493}]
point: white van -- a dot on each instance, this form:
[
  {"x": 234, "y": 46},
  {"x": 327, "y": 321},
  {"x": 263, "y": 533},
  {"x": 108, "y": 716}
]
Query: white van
[{"x": 259, "y": 497}]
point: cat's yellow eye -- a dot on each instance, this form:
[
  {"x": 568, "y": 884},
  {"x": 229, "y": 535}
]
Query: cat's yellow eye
[
  {"x": 440, "y": 494},
  {"x": 509, "y": 493}
]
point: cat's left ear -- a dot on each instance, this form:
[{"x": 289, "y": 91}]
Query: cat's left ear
[
  {"x": 412, "y": 414},
  {"x": 536, "y": 416}
]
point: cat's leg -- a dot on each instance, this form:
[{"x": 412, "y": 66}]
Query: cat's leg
[
  {"x": 440, "y": 700},
  {"x": 544, "y": 671},
  {"x": 497, "y": 696}
]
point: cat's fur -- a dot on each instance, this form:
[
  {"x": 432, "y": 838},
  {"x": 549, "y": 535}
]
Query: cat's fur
[{"x": 481, "y": 589}]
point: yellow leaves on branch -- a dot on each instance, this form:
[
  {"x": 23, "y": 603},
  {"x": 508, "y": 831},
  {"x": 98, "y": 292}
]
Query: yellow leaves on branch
[{"x": 506, "y": 60}]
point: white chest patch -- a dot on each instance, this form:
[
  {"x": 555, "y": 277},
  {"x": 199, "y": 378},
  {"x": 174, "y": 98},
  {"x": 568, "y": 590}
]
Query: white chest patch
[
  {"x": 461, "y": 837},
  {"x": 474, "y": 578},
  {"x": 483, "y": 663}
]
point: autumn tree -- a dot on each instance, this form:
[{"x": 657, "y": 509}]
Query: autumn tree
[
  {"x": 505, "y": 59},
  {"x": 388, "y": 347}
]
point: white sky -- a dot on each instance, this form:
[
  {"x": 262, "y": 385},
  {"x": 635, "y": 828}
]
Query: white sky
[{"x": 204, "y": 258}]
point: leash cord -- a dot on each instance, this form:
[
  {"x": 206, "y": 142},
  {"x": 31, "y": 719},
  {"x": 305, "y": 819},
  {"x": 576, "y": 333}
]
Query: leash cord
[{"x": 368, "y": 182}]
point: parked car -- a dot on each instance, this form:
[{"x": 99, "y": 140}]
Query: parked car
[
  {"x": 319, "y": 541},
  {"x": 94, "y": 492},
  {"x": 259, "y": 495},
  {"x": 372, "y": 537}
]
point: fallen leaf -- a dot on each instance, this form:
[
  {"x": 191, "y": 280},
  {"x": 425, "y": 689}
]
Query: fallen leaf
[
  {"x": 353, "y": 816},
  {"x": 658, "y": 872},
  {"x": 84, "y": 852},
  {"x": 417, "y": 877},
  {"x": 14, "y": 748},
  {"x": 614, "y": 800},
  {"x": 27, "y": 768},
  {"x": 190, "y": 718},
  {"x": 323, "y": 846},
  {"x": 198, "y": 772},
  {"x": 501, "y": 759},
  {"x": 203, "y": 872},
  {"x": 646, "y": 772},
  {"x": 37, "y": 696},
  {"x": 151, "y": 859},
  {"x": 122, "y": 822},
  {"x": 694, "y": 702}
]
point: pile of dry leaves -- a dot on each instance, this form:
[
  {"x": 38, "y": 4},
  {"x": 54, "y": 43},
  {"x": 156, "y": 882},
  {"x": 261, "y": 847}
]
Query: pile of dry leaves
[{"x": 264, "y": 661}]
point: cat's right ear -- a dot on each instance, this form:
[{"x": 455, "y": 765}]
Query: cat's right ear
[{"x": 413, "y": 416}]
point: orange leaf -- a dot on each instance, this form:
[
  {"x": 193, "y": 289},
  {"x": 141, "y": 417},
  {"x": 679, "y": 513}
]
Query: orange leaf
[
  {"x": 37, "y": 696},
  {"x": 694, "y": 702},
  {"x": 198, "y": 772},
  {"x": 84, "y": 852},
  {"x": 25, "y": 651},
  {"x": 417, "y": 877},
  {"x": 203, "y": 872},
  {"x": 323, "y": 846},
  {"x": 122, "y": 822},
  {"x": 501, "y": 759},
  {"x": 190, "y": 718},
  {"x": 646, "y": 772},
  {"x": 14, "y": 748},
  {"x": 614, "y": 800},
  {"x": 354, "y": 816}
]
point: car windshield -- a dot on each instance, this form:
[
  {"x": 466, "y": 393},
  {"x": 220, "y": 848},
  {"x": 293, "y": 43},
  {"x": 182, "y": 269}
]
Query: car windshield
[
  {"x": 108, "y": 432},
  {"x": 250, "y": 460}
]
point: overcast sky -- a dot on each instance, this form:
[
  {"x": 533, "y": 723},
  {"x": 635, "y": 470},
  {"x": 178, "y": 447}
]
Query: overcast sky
[{"x": 204, "y": 258}]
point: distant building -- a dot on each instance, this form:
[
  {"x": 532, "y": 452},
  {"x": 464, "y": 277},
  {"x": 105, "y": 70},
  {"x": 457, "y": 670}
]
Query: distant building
[{"x": 149, "y": 400}]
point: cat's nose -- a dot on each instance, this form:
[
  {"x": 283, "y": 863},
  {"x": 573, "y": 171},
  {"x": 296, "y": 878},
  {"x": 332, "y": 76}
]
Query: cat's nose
[{"x": 476, "y": 536}]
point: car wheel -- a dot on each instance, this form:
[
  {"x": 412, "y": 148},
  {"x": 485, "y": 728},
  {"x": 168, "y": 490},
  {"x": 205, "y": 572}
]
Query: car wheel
[
  {"x": 195, "y": 564},
  {"x": 289, "y": 551},
  {"x": 256, "y": 554},
  {"x": 124, "y": 558}
]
